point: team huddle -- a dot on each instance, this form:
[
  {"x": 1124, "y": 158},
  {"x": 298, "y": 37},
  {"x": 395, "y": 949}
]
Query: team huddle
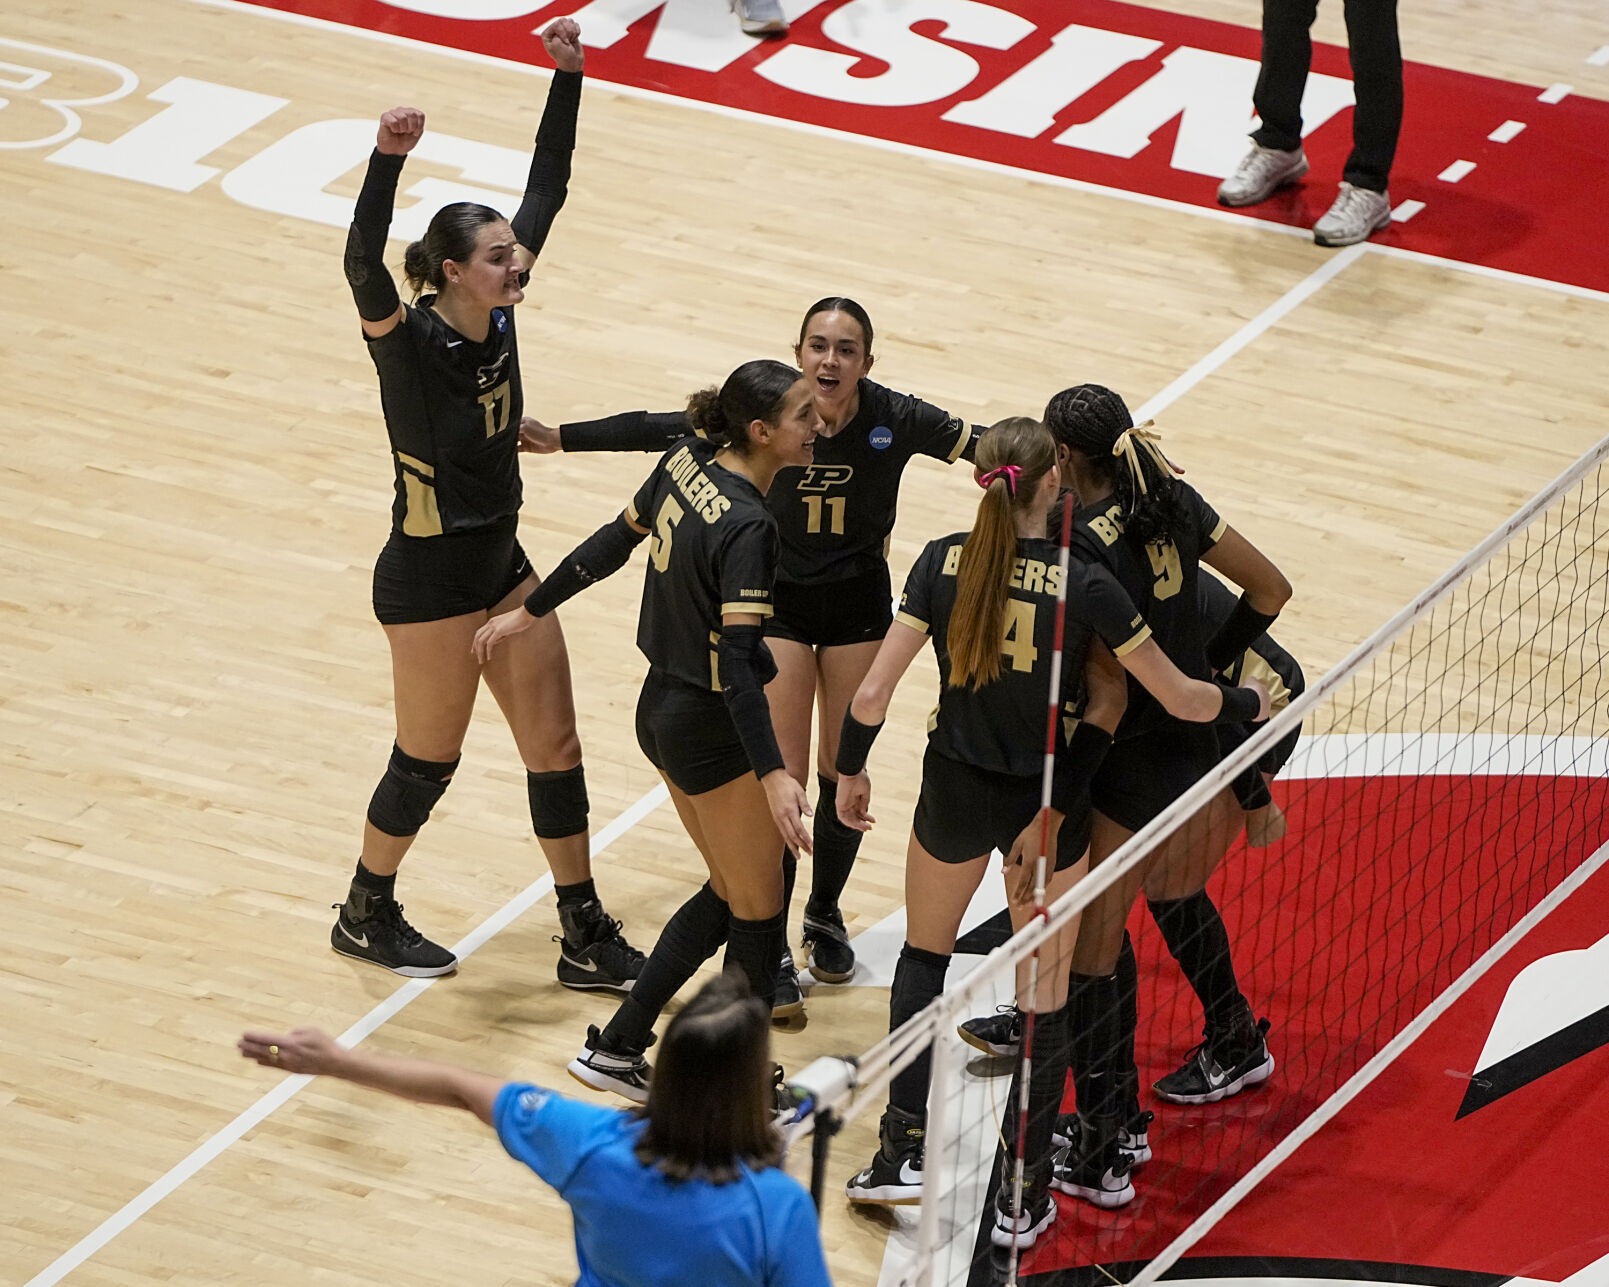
[{"x": 767, "y": 605}]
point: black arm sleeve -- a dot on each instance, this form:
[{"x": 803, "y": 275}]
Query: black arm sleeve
[
  {"x": 969, "y": 452},
  {"x": 854, "y": 744},
  {"x": 1244, "y": 626},
  {"x": 1076, "y": 763},
  {"x": 366, "y": 273},
  {"x": 549, "y": 181},
  {"x": 1240, "y": 705},
  {"x": 744, "y": 665},
  {"x": 602, "y": 554},
  {"x": 628, "y": 431}
]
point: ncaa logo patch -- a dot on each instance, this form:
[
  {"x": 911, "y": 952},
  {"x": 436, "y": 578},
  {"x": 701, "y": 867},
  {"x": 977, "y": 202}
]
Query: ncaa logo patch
[
  {"x": 500, "y": 320},
  {"x": 881, "y": 437}
]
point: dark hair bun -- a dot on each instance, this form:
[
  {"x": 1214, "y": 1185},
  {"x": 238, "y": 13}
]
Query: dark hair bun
[
  {"x": 704, "y": 414},
  {"x": 416, "y": 266}
]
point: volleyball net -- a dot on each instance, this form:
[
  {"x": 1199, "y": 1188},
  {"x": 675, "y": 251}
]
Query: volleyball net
[{"x": 1449, "y": 788}]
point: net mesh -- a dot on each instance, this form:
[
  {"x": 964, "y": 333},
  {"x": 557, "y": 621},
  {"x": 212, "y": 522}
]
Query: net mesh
[{"x": 1450, "y": 775}]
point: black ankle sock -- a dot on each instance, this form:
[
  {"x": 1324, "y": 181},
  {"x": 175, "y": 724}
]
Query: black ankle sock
[
  {"x": 790, "y": 875},
  {"x": 371, "y": 886},
  {"x": 1096, "y": 1015},
  {"x": 1200, "y": 944},
  {"x": 584, "y": 891},
  {"x": 836, "y": 847},
  {"x": 1128, "y": 1001},
  {"x": 689, "y": 938},
  {"x": 755, "y": 947},
  {"x": 918, "y": 978},
  {"x": 1046, "y": 1083}
]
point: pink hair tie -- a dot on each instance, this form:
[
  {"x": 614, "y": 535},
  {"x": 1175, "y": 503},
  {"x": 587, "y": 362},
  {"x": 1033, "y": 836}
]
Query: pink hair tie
[{"x": 1011, "y": 473}]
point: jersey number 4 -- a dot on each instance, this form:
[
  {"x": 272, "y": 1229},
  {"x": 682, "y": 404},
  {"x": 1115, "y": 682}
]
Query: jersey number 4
[
  {"x": 1017, "y": 643},
  {"x": 670, "y": 514}
]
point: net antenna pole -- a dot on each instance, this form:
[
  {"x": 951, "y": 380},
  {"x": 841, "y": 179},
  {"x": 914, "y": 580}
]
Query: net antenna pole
[{"x": 1047, "y": 777}]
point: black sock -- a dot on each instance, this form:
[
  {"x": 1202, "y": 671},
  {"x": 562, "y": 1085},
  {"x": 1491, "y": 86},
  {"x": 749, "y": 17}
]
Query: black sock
[
  {"x": 790, "y": 875},
  {"x": 582, "y": 892},
  {"x": 372, "y": 888},
  {"x": 689, "y": 939},
  {"x": 755, "y": 947},
  {"x": 1096, "y": 1015},
  {"x": 836, "y": 847},
  {"x": 1128, "y": 1001},
  {"x": 1046, "y": 1082},
  {"x": 1200, "y": 944},
  {"x": 918, "y": 978}
]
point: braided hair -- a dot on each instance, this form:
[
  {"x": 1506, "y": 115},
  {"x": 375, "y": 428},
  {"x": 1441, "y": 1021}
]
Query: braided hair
[{"x": 1095, "y": 422}]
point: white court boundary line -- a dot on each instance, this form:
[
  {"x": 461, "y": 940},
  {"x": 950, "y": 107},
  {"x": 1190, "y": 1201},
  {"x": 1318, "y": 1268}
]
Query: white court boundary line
[
  {"x": 282, "y": 1093},
  {"x": 1360, "y": 1080},
  {"x": 904, "y": 149}
]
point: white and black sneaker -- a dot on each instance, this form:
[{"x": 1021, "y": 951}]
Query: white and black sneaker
[
  {"x": 998, "y": 1034},
  {"x": 624, "y": 1072},
  {"x": 593, "y": 954},
  {"x": 1224, "y": 1064},
  {"x": 894, "y": 1177},
  {"x": 789, "y": 1000},
  {"x": 1133, "y": 1137},
  {"x": 831, "y": 958},
  {"x": 379, "y": 934},
  {"x": 761, "y": 17},
  {"x": 1094, "y": 1169},
  {"x": 1036, "y": 1209}
]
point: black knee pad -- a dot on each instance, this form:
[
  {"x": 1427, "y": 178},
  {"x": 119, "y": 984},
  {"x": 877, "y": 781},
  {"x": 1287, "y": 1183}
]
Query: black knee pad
[
  {"x": 408, "y": 792},
  {"x": 558, "y": 802}
]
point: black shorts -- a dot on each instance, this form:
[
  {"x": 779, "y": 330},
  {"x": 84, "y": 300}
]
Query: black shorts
[
  {"x": 859, "y": 609},
  {"x": 1141, "y": 776},
  {"x": 430, "y": 578},
  {"x": 964, "y": 812},
  {"x": 687, "y": 734}
]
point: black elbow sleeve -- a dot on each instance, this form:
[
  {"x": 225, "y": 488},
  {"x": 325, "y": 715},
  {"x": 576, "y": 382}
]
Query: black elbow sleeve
[
  {"x": 1237, "y": 634},
  {"x": 602, "y": 554},
  {"x": 1076, "y": 764},
  {"x": 744, "y": 667}
]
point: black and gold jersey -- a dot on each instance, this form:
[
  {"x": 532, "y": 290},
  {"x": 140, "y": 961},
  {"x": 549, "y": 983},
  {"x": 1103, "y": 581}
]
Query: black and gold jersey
[
  {"x": 835, "y": 514},
  {"x": 1001, "y": 726},
  {"x": 712, "y": 549},
  {"x": 452, "y": 410},
  {"x": 1161, "y": 580}
]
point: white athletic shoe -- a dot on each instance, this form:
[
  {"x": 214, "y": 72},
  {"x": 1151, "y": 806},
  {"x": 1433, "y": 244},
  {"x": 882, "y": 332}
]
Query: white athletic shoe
[
  {"x": 622, "y": 1072},
  {"x": 761, "y": 17},
  {"x": 1261, "y": 173},
  {"x": 1356, "y": 214}
]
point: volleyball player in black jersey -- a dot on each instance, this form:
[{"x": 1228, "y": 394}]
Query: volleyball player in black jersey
[
  {"x": 450, "y": 388},
  {"x": 703, "y": 720},
  {"x": 1152, "y": 531},
  {"x": 1265, "y": 660},
  {"x": 833, "y": 601},
  {"x": 987, "y": 600}
]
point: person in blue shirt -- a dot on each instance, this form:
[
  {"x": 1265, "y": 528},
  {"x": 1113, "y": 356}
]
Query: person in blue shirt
[{"x": 690, "y": 1179}]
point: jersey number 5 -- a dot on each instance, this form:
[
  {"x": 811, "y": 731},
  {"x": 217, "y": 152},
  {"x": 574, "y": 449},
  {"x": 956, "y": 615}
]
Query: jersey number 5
[
  {"x": 495, "y": 405},
  {"x": 670, "y": 514},
  {"x": 1165, "y": 564}
]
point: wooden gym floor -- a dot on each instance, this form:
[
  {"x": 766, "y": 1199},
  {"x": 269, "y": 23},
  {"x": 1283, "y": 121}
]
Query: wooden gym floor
[{"x": 196, "y": 701}]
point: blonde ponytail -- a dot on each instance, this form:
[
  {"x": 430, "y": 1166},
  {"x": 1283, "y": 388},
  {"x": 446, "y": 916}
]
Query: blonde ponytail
[{"x": 1013, "y": 457}]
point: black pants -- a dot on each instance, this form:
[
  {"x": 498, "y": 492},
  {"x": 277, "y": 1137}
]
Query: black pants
[{"x": 1371, "y": 29}]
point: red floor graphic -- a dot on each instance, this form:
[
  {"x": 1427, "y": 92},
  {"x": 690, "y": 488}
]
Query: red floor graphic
[
  {"x": 1342, "y": 934},
  {"x": 1114, "y": 94}
]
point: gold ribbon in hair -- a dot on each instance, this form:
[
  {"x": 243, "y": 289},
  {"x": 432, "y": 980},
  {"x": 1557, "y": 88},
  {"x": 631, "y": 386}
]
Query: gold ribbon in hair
[{"x": 1144, "y": 438}]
